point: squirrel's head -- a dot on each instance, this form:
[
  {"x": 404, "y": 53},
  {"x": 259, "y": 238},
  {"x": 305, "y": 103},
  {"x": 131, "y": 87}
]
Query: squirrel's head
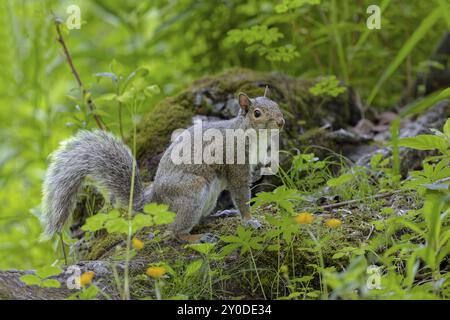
[{"x": 261, "y": 112}]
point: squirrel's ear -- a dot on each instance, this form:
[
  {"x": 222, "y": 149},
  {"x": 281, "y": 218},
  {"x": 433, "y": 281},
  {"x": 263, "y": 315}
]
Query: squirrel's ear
[
  {"x": 266, "y": 91},
  {"x": 244, "y": 101}
]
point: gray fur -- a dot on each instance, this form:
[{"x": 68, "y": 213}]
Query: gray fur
[
  {"x": 96, "y": 154},
  {"x": 190, "y": 190}
]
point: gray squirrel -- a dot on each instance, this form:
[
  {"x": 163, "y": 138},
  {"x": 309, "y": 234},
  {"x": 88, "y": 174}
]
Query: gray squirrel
[{"x": 190, "y": 190}]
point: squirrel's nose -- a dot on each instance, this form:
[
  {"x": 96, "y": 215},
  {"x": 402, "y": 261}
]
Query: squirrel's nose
[{"x": 280, "y": 123}]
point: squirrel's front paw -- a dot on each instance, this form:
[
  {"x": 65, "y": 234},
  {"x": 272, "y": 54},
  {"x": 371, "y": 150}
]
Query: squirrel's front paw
[
  {"x": 255, "y": 224},
  {"x": 226, "y": 213},
  {"x": 208, "y": 238}
]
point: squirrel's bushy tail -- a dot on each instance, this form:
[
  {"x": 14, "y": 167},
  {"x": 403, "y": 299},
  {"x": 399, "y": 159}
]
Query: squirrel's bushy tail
[{"x": 97, "y": 154}]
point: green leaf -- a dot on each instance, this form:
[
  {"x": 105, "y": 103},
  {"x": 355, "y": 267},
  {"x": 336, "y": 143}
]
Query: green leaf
[
  {"x": 313, "y": 294},
  {"x": 303, "y": 279},
  {"x": 338, "y": 255},
  {"x": 125, "y": 97},
  {"x": 203, "y": 248},
  {"x": 139, "y": 73},
  {"x": 30, "y": 279},
  {"x": 160, "y": 212},
  {"x": 118, "y": 225},
  {"x": 106, "y": 98},
  {"x": 255, "y": 34},
  {"x": 424, "y": 142},
  {"x": 447, "y": 128},
  {"x": 273, "y": 247},
  {"x": 291, "y": 296},
  {"x": 420, "y": 105},
  {"x": 164, "y": 218},
  {"x": 113, "y": 214},
  {"x": 328, "y": 86},
  {"x": 49, "y": 271},
  {"x": 89, "y": 293},
  {"x": 116, "y": 67},
  {"x": 293, "y": 4},
  {"x": 193, "y": 268},
  {"x": 177, "y": 297},
  {"x": 375, "y": 160},
  {"x": 282, "y": 196},
  {"x": 95, "y": 222},
  {"x": 152, "y": 90},
  {"x": 140, "y": 221},
  {"x": 280, "y": 53},
  {"x": 229, "y": 249},
  {"x": 334, "y": 182},
  {"x": 445, "y": 10},
  {"x": 281, "y": 8},
  {"x": 230, "y": 239},
  {"x": 395, "y": 131},
  {"x": 50, "y": 283}
]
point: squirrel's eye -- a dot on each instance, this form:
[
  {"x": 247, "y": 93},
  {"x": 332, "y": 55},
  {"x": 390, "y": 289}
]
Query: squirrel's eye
[{"x": 257, "y": 113}]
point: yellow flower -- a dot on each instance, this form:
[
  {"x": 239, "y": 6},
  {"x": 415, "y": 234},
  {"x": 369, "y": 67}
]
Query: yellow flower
[
  {"x": 86, "y": 278},
  {"x": 304, "y": 218},
  {"x": 137, "y": 244},
  {"x": 333, "y": 223},
  {"x": 156, "y": 272}
]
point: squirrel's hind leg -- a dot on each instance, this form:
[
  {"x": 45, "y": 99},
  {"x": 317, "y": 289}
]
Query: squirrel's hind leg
[{"x": 190, "y": 204}]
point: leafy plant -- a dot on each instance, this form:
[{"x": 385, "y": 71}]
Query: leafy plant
[
  {"x": 40, "y": 278},
  {"x": 259, "y": 39},
  {"x": 154, "y": 214},
  {"x": 245, "y": 241},
  {"x": 328, "y": 86},
  {"x": 286, "y": 5},
  {"x": 283, "y": 197},
  {"x": 307, "y": 172},
  {"x": 435, "y": 169}
]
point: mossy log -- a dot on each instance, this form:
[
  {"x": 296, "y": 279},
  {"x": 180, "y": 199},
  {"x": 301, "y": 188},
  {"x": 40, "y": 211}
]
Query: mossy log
[{"x": 237, "y": 277}]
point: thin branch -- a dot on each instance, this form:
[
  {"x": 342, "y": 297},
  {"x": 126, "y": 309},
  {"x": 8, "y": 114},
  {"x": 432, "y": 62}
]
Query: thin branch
[
  {"x": 355, "y": 201},
  {"x": 75, "y": 73}
]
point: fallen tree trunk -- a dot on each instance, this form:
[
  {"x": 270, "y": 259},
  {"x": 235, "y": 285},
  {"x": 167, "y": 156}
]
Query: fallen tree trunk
[{"x": 11, "y": 287}]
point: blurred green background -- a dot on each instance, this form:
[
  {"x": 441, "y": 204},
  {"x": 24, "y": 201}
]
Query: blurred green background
[{"x": 178, "y": 41}]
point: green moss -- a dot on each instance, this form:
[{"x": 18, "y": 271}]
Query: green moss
[{"x": 103, "y": 246}]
